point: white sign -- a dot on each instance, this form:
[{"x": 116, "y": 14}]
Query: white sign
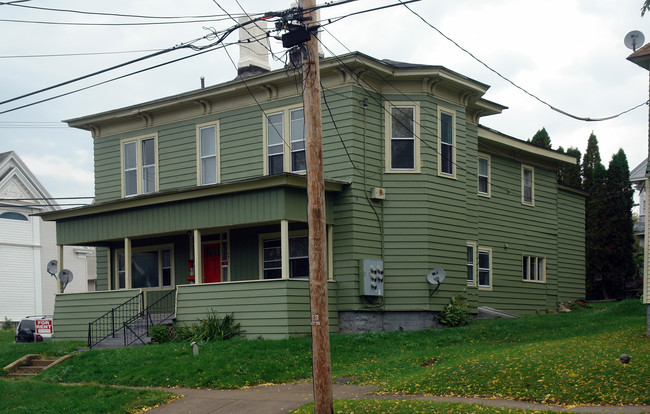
[{"x": 44, "y": 326}]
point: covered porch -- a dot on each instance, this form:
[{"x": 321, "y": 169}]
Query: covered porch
[{"x": 238, "y": 247}]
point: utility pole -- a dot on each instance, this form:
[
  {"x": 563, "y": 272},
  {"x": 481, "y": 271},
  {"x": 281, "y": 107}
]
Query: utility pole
[{"x": 320, "y": 337}]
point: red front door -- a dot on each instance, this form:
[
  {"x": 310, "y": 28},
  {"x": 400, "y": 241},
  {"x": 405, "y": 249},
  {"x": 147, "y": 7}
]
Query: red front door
[{"x": 211, "y": 263}]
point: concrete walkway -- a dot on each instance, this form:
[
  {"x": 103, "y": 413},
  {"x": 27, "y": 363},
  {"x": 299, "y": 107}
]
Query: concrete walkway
[{"x": 277, "y": 399}]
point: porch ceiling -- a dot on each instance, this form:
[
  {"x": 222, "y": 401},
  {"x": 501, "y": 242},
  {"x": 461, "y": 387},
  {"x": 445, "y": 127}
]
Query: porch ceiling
[{"x": 250, "y": 202}]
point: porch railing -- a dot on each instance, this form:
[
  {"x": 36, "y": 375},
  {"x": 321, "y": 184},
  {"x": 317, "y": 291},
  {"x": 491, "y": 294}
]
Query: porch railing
[
  {"x": 159, "y": 312},
  {"x": 112, "y": 321}
]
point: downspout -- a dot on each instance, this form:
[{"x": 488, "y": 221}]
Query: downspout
[{"x": 380, "y": 217}]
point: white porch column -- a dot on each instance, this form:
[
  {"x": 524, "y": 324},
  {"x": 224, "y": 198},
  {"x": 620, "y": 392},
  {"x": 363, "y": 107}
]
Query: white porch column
[
  {"x": 284, "y": 247},
  {"x": 127, "y": 263},
  {"x": 198, "y": 258},
  {"x": 59, "y": 260}
]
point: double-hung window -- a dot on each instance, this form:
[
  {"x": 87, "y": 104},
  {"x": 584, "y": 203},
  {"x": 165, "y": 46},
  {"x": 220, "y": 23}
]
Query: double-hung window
[
  {"x": 471, "y": 264},
  {"x": 533, "y": 268},
  {"x": 484, "y": 175},
  {"x": 139, "y": 167},
  {"x": 402, "y": 137},
  {"x": 446, "y": 143},
  {"x": 527, "y": 185},
  {"x": 298, "y": 258},
  {"x": 208, "y": 145},
  {"x": 285, "y": 129},
  {"x": 484, "y": 268},
  {"x": 150, "y": 268}
]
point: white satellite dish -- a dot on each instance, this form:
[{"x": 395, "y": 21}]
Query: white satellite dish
[
  {"x": 436, "y": 276},
  {"x": 65, "y": 277},
  {"x": 634, "y": 40},
  {"x": 52, "y": 267}
]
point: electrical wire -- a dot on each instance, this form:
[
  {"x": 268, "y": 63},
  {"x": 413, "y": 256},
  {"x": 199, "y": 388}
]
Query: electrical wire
[
  {"x": 579, "y": 118},
  {"x": 77, "y": 54},
  {"x": 108, "y": 24}
]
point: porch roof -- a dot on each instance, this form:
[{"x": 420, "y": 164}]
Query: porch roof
[{"x": 247, "y": 202}]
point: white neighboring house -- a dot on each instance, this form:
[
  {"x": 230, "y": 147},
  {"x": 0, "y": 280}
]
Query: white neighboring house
[
  {"x": 27, "y": 244},
  {"x": 638, "y": 178}
]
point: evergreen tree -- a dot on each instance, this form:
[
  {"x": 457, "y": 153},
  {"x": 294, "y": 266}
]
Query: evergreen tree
[
  {"x": 569, "y": 174},
  {"x": 541, "y": 139},
  {"x": 593, "y": 181},
  {"x": 618, "y": 253},
  {"x": 595, "y": 214},
  {"x": 589, "y": 162}
]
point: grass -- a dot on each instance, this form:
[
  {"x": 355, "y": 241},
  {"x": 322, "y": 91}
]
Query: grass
[
  {"x": 34, "y": 396},
  {"x": 9, "y": 351},
  {"x": 561, "y": 359},
  {"x": 412, "y": 407}
]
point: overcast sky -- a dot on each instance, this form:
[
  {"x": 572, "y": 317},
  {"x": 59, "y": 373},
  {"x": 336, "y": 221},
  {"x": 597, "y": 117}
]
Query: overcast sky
[{"x": 569, "y": 53}]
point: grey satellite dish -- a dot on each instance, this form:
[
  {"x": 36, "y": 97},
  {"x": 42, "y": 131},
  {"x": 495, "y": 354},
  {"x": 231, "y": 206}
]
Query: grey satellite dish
[
  {"x": 52, "y": 267},
  {"x": 634, "y": 40},
  {"x": 65, "y": 277},
  {"x": 436, "y": 276}
]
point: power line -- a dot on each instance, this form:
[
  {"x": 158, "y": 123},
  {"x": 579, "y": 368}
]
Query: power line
[
  {"x": 579, "y": 118},
  {"x": 77, "y": 54},
  {"x": 108, "y": 24},
  {"x": 111, "y": 14}
]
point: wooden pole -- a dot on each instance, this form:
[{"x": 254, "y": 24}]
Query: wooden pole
[{"x": 321, "y": 363}]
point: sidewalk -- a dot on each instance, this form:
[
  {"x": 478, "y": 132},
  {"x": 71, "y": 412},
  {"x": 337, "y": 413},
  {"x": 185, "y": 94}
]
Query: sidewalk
[{"x": 278, "y": 399}]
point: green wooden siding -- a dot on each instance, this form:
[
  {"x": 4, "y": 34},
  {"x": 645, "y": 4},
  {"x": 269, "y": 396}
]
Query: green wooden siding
[
  {"x": 73, "y": 311},
  {"x": 571, "y": 246},
  {"x": 267, "y": 308}
]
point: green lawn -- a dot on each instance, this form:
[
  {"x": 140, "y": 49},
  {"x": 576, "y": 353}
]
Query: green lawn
[
  {"x": 413, "y": 407},
  {"x": 561, "y": 358}
]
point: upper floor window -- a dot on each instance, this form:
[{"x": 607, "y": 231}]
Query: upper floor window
[
  {"x": 534, "y": 268},
  {"x": 279, "y": 134},
  {"x": 484, "y": 175},
  {"x": 10, "y": 215},
  {"x": 139, "y": 166},
  {"x": 527, "y": 185},
  {"x": 446, "y": 143},
  {"x": 208, "y": 154},
  {"x": 402, "y": 138},
  {"x": 485, "y": 268}
]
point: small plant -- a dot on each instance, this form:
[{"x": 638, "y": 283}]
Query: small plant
[
  {"x": 160, "y": 334},
  {"x": 212, "y": 328},
  {"x": 7, "y": 325},
  {"x": 456, "y": 312}
]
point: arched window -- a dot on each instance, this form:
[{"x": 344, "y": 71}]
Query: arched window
[{"x": 13, "y": 216}]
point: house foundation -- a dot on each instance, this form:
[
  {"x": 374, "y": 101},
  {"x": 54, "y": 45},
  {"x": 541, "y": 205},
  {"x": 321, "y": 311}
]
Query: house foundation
[{"x": 355, "y": 322}]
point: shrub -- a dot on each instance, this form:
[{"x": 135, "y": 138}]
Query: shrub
[
  {"x": 7, "y": 325},
  {"x": 456, "y": 312},
  {"x": 160, "y": 333},
  {"x": 212, "y": 328}
]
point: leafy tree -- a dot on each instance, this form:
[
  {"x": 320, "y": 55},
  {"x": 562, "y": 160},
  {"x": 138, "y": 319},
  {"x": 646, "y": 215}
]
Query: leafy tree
[
  {"x": 595, "y": 231},
  {"x": 618, "y": 252},
  {"x": 541, "y": 138},
  {"x": 569, "y": 175},
  {"x": 645, "y": 7}
]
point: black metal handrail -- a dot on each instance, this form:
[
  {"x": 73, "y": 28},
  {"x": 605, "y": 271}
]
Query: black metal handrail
[
  {"x": 113, "y": 320},
  {"x": 155, "y": 314}
]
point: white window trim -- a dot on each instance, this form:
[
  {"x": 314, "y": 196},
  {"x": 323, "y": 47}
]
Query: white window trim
[
  {"x": 286, "y": 137},
  {"x": 159, "y": 248},
  {"x": 199, "y": 127},
  {"x": 454, "y": 145},
  {"x": 532, "y": 170},
  {"x": 138, "y": 152},
  {"x": 484, "y": 287},
  {"x": 489, "y": 176},
  {"x": 474, "y": 281},
  {"x": 541, "y": 279},
  {"x": 388, "y": 136},
  {"x": 271, "y": 236}
]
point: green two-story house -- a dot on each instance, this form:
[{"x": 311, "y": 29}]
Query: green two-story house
[{"x": 204, "y": 194}]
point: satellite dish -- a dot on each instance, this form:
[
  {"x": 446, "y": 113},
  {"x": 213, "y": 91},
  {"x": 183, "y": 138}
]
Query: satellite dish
[
  {"x": 65, "y": 277},
  {"x": 634, "y": 40},
  {"x": 436, "y": 276},
  {"x": 52, "y": 267}
]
